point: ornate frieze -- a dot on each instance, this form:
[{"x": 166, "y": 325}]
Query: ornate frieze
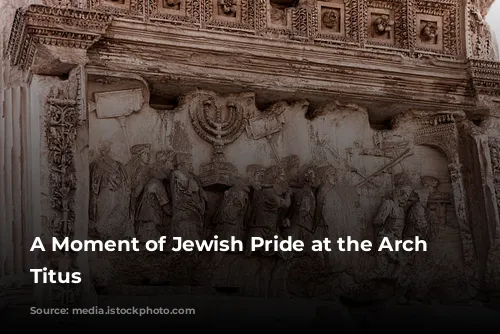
[
  {"x": 386, "y": 23},
  {"x": 485, "y": 76},
  {"x": 61, "y": 133},
  {"x": 426, "y": 27},
  {"x": 53, "y": 26},
  {"x": 415, "y": 28},
  {"x": 230, "y": 14},
  {"x": 336, "y": 21},
  {"x": 436, "y": 26},
  {"x": 123, "y": 8},
  {"x": 175, "y": 11}
]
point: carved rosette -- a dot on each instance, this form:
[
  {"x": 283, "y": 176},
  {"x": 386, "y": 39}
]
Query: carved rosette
[{"x": 61, "y": 131}]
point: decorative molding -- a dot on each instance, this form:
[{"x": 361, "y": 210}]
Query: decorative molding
[
  {"x": 444, "y": 16},
  {"x": 485, "y": 76},
  {"x": 175, "y": 11},
  {"x": 124, "y": 8},
  {"x": 63, "y": 120},
  {"x": 395, "y": 34},
  {"x": 74, "y": 28},
  {"x": 53, "y": 26}
]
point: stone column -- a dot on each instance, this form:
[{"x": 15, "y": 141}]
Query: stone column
[
  {"x": 456, "y": 174},
  {"x": 3, "y": 212},
  {"x": 17, "y": 226},
  {"x": 27, "y": 226},
  {"x": 9, "y": 245},
  {"x": 477, "y": 153}
]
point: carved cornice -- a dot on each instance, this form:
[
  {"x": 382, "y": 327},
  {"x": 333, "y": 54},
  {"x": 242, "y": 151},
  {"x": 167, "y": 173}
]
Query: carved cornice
[
  {"x": 53, "y": 26},
  {"x": 365, "y": 70},
  {"x": 213, "y": 58},
  {"x": 485, "y": 76}
]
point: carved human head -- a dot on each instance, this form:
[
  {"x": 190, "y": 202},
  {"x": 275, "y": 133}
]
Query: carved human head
[
  {"x": 105, "y": 148},
  {"x": 403, "y": 188},
  {"x": 142, "y": 151},
  {"x": 165, "y": 157},
  {"x": 275, "y": 175},
  {"x": 209, "y": 105},
  {"x": 308, "y": 175},
  {"x": 430, "y": 183},
  {"x": 429, "y": 31},
  {"x": 256, "y": 174},
  {"x": 183, "y": 161},
  {"x": 330, "y": 19},
  {"x": 235, "y": 203},
  {"x": 327, "y": 175}
]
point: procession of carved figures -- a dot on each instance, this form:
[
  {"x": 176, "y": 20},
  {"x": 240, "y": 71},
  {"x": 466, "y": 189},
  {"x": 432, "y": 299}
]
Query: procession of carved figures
[
  {"x": 158, "y": 193},
  {"x": 423, "y": 27}
]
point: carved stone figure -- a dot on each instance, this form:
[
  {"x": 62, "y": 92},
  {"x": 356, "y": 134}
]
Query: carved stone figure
[
  {"x": 390, "y": 221},
  {"x": 330, "y": 19},
  {"x": 109, "y": 197},
  {"x": 228, "y": 7},
  {"x": 422, "y": 78},
  {"x": 270, "y": 204},
  {"x": 383, "y": 24},
  {"x": 484, "y": 45},
  {"x": 329, "y": 214},
  {"x": 230, "y": 218},
  {"x": 418, "y": 215},
  {"x": 303, "y": 208},
  {"x": 188, "y": 200},
  {"x": 171, "y": 3},
  {"x": 429, "y": 32},
  {"x": 139, "y": 172},
  {"x": 230, "y": 221},
  {"x": 154, "y": 203}
]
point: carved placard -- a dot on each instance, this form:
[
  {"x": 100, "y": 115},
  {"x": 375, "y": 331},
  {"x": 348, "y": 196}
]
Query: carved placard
[
  {"x": 264, "y": 126},
  {"x": 118, "y": 103}
]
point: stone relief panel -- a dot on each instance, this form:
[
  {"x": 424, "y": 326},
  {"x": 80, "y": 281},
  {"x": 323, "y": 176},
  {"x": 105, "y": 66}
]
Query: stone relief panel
[
  {"x": 492, "y": 272},
  {"x": 217, "y": 165},
  {"x": 416, "y": 29},
  {"x": 336, "y": 21},
  {"x": 279, "y": 17},
  {"x": 62, "y": 121},
  {"x": 175, "y": 11},
  {"x": 235, "y": 14},
  {"x": 434, "y": 19},
  {"x": 481, "y": 41},
  {"x": 387, "y": 23},
  {"x": 128, "y": 8}
]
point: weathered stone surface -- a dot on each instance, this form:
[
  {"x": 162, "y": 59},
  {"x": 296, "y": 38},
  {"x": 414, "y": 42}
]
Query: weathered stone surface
[{"x": 191, "y": 119}]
